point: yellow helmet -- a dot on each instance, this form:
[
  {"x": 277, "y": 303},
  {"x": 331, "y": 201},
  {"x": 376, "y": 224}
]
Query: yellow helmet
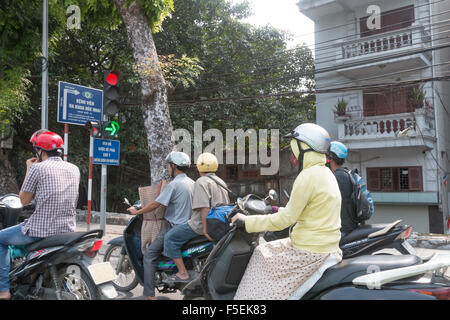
[{"x": 207, "y": 162}]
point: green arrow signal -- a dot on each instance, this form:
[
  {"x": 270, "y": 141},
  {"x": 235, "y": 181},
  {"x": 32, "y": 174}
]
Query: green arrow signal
[{"x": 112, "y": 127}]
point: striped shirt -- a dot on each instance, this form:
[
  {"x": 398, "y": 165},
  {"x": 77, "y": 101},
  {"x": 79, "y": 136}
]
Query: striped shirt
[{"x": 55, "y": 184}]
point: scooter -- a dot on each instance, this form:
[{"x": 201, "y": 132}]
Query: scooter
[
  {"x": 366, "y": 238},
  {"x": 12, "y": 211},
  {"x": 394, "y": 277},
  {"x": 58, "y": 267},
  {"x": 130, "y": 259}
]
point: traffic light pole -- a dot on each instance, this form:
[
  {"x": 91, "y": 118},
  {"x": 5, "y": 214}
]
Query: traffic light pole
[{"x": 103, "y": 192}]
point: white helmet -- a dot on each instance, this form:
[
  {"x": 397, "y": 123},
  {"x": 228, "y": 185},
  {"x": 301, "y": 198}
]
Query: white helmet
[
  {"x": 313, "y": 135},
  {"x": 180, "y": 159}
]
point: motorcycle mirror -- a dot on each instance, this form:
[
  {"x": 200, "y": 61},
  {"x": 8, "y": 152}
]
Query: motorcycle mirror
[{"x": 273, "y": 194}]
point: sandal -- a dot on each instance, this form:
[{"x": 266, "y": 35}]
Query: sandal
[{"x": 175, "y": 278}]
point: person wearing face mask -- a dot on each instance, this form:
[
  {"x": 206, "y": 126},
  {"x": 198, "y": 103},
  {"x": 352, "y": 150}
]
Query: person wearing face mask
[
  {"x": 53, "y": 184},
  {"x": 277, "y": 269}
]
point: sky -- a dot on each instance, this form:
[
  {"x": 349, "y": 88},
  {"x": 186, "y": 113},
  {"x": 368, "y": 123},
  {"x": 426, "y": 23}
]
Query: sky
[{"x": 284, "y": 15}]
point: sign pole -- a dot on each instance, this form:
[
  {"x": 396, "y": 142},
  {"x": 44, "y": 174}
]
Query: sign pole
[
  {"x": 66, "y": 141},
  {"x": 91, "y": 151}
]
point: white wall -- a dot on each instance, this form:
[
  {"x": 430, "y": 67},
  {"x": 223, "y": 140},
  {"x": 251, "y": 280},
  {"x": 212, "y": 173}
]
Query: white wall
[
  {"x": 415, "y": 216},
  {"x": 395, "y": 157}
]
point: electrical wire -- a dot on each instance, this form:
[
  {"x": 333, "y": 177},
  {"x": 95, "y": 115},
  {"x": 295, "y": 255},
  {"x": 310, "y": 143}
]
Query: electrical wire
[
  {"x": 325, "y": 69},
  {"x": 305, "y": 92}
]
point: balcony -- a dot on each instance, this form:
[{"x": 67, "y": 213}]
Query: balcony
[
  {"x": 378, "y": 48},
  {"x": 415, "y": 129}
]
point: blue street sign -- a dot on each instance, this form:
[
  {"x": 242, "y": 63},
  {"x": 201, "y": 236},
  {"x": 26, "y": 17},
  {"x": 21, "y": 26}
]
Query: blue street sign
[
  {"x": 79, "y": 104},
  {"x": 106, "y": 152}
]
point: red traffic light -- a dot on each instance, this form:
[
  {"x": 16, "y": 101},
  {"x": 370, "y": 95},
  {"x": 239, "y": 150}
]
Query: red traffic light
[{"x": 113, "y": 78}]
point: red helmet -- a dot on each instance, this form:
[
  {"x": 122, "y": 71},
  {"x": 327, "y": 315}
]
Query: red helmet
[
  {"x": 47, "y": 140},
  {"x": 33, "y": 137}
]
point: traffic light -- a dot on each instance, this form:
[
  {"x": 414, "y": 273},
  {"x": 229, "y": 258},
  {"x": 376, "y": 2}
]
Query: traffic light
[
  {"x": 110, "y": 129},
  {"x": 111, "y": 92},
  {"x": 95, "y": 128}
]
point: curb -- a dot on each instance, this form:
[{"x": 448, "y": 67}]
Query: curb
[
  {"x": 111, "y": 217},
  {"x": 430, "y": 241}
]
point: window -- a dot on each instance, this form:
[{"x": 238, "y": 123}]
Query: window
[
  {"x": 390, "y": 20},
  {"x": 232, "y": 172},
  {"x": 396, "y": 179},
  {"x": 390, "y": 100}
]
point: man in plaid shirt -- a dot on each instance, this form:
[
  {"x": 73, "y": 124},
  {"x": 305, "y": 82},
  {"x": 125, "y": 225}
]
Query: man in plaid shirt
[{"x": 53, "y": 183}]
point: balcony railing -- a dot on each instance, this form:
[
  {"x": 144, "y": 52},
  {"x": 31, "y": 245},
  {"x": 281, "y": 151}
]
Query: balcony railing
[
  {"x": 386, "y": 41},
  {"x": 395, "y": 125}
]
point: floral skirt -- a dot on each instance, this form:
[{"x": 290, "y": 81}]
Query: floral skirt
[{"x": 276, "y": 270}]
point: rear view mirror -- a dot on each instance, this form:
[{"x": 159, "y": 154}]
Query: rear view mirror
[{"x": 273, "y": 195}]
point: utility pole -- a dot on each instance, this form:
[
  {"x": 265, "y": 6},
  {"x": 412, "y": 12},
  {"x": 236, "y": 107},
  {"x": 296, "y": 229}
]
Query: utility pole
[{"x": 44, "y": 109}]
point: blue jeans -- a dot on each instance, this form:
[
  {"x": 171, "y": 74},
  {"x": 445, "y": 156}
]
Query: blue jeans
[
  {"x": 10, "y": 236},
  {"x": 175, "y": 238}
]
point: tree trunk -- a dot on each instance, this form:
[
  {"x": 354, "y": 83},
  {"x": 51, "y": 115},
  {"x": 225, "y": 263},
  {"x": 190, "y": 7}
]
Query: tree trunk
[
  {"x": 8, "y": 183},
  {"x": 155, "y": 108}
]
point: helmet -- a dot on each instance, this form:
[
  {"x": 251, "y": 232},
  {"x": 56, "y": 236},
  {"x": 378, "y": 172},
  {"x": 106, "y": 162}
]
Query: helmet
[
  {"x": 313, "y": 135},
  {"x": 33, "y": 137},
  {"x": 47, "y": 140},
  {"x": 207, "y": 162},
  {"x": 180, "y": 159},
  {"x": 339, "y": 149}
]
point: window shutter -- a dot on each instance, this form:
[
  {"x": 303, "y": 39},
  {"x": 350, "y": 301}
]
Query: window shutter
[
  {"x": 415, "y": 178},
  {"x": 373, "y": 179}
]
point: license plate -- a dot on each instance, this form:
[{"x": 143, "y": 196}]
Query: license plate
[
  {"x": 102, "y": 272},
  {"x": 409, "y": 247}
]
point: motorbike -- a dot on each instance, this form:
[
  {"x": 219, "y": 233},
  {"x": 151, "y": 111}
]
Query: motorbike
[
  {"x": 390, "y": 238},
  {"x": 129, "y": 257},
  {"x": 59, "y": 267},
  {"x": 12, "y": 211},
  {"x": 366, "y": 277}
]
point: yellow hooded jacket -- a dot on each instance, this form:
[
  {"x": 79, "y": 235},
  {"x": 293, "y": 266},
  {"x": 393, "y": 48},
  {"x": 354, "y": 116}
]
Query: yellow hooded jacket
[{"x": 314, "y": 205}]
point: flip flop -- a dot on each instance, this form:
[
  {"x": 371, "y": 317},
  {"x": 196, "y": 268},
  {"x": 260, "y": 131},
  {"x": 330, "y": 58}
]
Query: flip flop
[{"x": 175, "y": 278}]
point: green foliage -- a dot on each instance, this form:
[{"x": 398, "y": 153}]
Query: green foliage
[
  {"x": 13, "y": 94},
  {"x": 238, "y": 60},
  {"x": 205, "y": 52},
  {"x": 156, "y": 11}
]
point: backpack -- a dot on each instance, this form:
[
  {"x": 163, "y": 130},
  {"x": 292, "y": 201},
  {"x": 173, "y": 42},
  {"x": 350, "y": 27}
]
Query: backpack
[
  {"x": 361, "y": 198},
  {"x": 217, "y": 224}
]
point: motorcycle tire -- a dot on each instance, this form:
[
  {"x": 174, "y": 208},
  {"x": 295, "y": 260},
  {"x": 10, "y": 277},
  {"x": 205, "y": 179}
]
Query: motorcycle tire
[
  {"x": 132, "y": 282},
  {"x": 81, "y": 281}
]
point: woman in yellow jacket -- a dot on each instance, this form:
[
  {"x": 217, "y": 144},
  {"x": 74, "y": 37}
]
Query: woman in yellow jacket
[{"x": 278, "y": 268}]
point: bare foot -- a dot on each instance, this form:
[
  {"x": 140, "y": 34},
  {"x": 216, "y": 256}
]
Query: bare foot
[{"x": 150, "y": 298}]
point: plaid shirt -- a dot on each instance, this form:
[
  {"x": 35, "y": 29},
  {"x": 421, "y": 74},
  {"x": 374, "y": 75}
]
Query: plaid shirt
[{"x": 54, "y": 183}]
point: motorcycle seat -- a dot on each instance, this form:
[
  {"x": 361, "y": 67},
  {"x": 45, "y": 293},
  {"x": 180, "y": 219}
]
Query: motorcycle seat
[
  {"x": 349, "y": 269},
  {"x": 194, "y": 241},
  {"x": 362, "y": 232},
  {"x": 62, "y": 239}
]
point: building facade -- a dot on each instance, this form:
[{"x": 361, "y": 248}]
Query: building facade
[{"x": 381, "y": 71}]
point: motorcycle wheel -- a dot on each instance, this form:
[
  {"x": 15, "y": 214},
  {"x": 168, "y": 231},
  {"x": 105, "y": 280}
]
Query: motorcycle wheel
[
  {"x": 77, "y": 285},
  {"x": 126, "y": 277}
]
